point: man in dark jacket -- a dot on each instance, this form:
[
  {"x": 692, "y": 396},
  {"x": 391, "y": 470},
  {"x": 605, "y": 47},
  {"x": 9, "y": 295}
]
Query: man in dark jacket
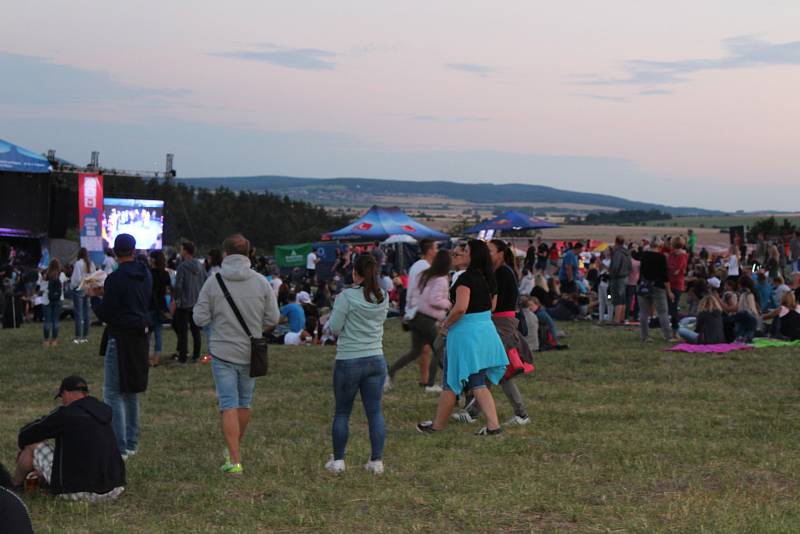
[
  {"x": 189, "y": 279},
  {"x": 125, "y": 309},
  {"x": 85, "y": 464}
]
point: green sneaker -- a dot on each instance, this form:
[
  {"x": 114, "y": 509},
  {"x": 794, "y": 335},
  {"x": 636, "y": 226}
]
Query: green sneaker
[{"x": 231, "y": 469}]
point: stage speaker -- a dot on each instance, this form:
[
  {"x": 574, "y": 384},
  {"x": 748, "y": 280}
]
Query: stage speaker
[{"x": 63, "y": 211}]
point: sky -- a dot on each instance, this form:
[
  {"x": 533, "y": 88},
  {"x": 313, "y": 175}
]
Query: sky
[{"x": 682, "y": 103}]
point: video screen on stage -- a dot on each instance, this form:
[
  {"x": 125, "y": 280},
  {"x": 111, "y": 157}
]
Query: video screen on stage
[{"x": 143, "y": 219}]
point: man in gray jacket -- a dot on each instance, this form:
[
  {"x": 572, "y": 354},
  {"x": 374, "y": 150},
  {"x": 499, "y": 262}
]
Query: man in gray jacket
[
  {"x": 230, "y": 345},
  {"x": 189, "y": 279},
  {"x": 618, "y": 273}
]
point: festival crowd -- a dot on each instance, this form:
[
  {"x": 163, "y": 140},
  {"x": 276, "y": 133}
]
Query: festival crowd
[{"x": 477, "y": 311}]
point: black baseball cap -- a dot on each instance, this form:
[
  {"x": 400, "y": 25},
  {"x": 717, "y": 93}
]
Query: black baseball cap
[
  {"x": 72, "y": 383},
  {"x": 124, "y": 245}
]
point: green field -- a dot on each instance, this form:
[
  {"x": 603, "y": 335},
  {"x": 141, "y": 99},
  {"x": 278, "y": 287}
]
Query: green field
[
  {"x": 721, "y": 221},
  {"x": 624, "y": 438}
]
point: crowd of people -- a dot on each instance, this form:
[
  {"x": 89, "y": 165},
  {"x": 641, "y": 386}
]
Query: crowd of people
[
  {"x": 475, "y": 310},
  {"x": 691, "y": 295}
]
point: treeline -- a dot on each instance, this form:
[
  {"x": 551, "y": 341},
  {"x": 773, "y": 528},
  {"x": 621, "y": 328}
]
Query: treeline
[
  {"x": 625, "y": 217},
  {"x": 207, "y": 216}
]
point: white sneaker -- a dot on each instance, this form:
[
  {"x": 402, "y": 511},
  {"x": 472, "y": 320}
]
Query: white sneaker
[
  {"x": 76, "y": 341},
  {"x": 335, "y": 466},
  {"x": 387, "y": 384},
  {"x": 130, "y": 453},
  {"x": 433, "y": 389},
  {"x": 518, "y": 421},
  {"x": 463, "y": 417},
  {"x": 376, "y": 466}
]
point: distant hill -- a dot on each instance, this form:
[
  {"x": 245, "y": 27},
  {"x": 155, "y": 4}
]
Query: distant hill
[{"x": 346, "y": 191}]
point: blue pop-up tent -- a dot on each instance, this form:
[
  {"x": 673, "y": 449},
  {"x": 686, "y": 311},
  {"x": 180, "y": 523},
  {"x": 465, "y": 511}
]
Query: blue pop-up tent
[
  {"x": 380, "y": 223},
  {"x": 14, "y": 158},
  {"x": 511, "y": 220}
]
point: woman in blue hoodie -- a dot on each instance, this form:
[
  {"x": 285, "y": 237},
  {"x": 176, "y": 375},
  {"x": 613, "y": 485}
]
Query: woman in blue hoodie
[{"x": 357, "y": 318}]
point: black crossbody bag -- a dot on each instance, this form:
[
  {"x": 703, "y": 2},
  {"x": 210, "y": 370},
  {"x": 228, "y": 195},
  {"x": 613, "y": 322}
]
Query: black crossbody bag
[{"x": 259, "y": 363}]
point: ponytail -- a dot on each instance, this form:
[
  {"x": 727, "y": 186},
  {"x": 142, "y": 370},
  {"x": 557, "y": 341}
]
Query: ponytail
[{"x": 367, "y": 268}]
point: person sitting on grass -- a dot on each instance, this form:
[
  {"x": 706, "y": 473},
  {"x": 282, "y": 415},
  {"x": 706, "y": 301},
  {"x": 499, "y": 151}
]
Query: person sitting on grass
[
  {"x": 14, "y": 514},
  {"x": 785, "y": 318},
  {"x": 85, "y": 463},
  {"x": 708, "y": 329},
  {"x": 746, "y": 319}
]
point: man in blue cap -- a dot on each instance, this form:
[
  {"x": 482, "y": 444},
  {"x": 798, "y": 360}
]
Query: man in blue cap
[{"x": 123, "y": 305}]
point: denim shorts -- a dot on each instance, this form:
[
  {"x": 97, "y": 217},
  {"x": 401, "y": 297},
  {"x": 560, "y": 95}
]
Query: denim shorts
[
  {"x": 474, "y": 381},
  {"x": 233, "y": 383}
]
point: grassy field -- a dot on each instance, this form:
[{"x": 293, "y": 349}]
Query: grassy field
[{"x": 624, "y": 438}]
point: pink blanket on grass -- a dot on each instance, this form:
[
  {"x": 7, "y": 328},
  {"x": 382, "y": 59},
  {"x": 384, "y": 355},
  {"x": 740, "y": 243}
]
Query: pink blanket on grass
[{"x": 719, "y": 347}]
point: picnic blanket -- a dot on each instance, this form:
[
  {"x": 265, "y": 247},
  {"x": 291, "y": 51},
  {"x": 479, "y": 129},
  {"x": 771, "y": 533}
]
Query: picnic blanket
[
  {"x": 718, "y": 347},
  {"x": 763, "y": 342}
]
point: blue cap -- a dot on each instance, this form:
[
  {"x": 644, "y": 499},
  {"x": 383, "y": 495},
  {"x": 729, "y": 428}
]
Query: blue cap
[{"x": 124, "y": 245}]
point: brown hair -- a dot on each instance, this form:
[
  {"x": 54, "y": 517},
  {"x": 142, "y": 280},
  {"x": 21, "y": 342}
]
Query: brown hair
[
  {"x": 439, "y": 267},
  {"x": 53, "y": 269},
  {"x": 83, "y": 254},
  {"x": 367, "y": 268}
]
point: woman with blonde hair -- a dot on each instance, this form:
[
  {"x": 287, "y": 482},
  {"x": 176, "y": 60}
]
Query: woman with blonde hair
[
  {"x": 709, "y": 329},
  {"x": 746, "y": 320}
]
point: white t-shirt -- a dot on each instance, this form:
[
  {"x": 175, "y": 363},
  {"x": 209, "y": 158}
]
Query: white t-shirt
[
  {"x": 733, "y": 265},
  {"x": 109, "y": 264},
  {"x": 311, "y": 260},
  {"x": 386, "y": 283},
  {"x": 413, "y": 277},
  {"x": 292, "y": 338},
  {"x": 276, "y": 284}
]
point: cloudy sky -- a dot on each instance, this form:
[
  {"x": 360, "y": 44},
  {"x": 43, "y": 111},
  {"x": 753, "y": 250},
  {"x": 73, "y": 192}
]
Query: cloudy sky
[{"x": 682, "y": 102}]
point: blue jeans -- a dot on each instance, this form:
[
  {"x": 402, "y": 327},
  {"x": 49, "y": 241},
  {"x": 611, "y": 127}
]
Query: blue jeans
[
  {"x": 349, "y": 377},
  {"x": 544, "y": 317},
  {"x": 52, "y": 314},
  {"x": 82, "y": 315},
  {"x": 156, "y": 328},
  {"x": 689, "y": 335},
  {"x": 124, "y": 406}
]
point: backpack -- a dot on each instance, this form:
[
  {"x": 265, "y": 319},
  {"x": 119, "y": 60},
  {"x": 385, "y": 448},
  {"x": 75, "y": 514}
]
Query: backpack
[{"x": 54, "y": 289}]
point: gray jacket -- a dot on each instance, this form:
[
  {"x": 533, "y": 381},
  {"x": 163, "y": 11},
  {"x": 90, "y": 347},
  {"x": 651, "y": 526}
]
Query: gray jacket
[
  {"x": 620, "y": 262},
  {"x": 253, "y": 296},
  {"x": 189, "y": 279}
]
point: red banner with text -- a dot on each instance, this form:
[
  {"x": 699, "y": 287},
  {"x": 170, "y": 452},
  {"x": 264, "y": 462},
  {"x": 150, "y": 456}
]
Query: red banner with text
[{"x": 90, "y": 211}]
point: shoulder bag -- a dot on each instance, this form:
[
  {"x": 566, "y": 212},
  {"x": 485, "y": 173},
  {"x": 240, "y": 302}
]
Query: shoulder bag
[{"x": 259, "y": 363}]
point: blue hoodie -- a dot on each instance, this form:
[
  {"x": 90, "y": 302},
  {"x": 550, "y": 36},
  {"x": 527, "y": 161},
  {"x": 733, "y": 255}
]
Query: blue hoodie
[{"x": 126, "y": 297}]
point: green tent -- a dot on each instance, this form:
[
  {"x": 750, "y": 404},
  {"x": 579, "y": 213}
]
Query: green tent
[{"x": 292, "y": 255}]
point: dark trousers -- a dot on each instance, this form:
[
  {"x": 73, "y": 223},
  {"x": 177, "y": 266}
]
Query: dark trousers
[
  {"x": 423, "y": 332},
  {"x": 184, "y": 322},
  {"x": 673, "y": 308}
]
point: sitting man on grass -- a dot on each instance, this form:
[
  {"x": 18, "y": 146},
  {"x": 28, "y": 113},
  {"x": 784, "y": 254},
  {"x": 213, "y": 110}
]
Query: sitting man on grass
[{"x": 85, "y": 463}]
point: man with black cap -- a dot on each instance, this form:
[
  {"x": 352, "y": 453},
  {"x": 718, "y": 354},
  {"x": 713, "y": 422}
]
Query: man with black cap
[
  {"x": 124, "y": 307},
  {"x": 84, "y": 464}
]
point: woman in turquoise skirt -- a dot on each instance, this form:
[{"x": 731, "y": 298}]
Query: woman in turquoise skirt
[{"x": 475, "y": 355}]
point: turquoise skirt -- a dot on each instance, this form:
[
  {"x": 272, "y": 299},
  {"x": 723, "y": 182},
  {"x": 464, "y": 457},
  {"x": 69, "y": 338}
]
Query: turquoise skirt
[{"x": 472, "y": 346}]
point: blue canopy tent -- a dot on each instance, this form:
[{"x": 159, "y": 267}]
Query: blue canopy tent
[
  {"x": 380, "y": 223},
  {"x": 14, "y": 158},
  {"x": 511, "y": 220}
]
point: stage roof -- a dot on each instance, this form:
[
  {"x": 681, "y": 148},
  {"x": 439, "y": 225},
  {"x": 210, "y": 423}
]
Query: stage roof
[{"x": 14, "y": 158}]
